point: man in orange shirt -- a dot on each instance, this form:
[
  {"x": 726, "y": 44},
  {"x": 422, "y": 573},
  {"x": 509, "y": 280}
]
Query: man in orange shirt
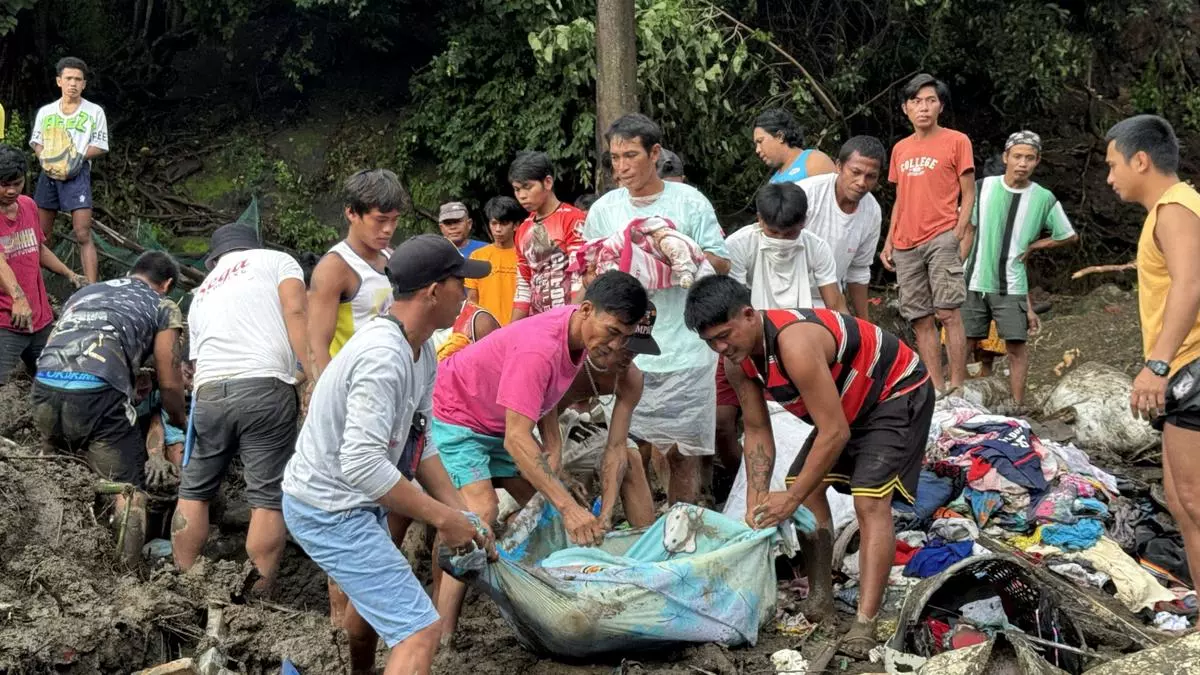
[
  {"x": 934, "y": 173},
  {"x": 547, "y": 239},
  {"x": 1143, "y": 160},
  {"x": 495, "y": 291}
]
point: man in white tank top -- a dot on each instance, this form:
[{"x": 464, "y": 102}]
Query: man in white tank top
[{"x": 349, "y": 286}]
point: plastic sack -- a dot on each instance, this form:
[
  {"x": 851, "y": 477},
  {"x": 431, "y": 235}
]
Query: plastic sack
[
  {"x": 790, "y": 433},
  {"x": 1099, "y": 396},
  {"x": 679, "y": 408},
  {"x": 693, "y": 576}
]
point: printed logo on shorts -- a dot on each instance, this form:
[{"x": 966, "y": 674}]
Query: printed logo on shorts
[{"x": 82, "y": 199}]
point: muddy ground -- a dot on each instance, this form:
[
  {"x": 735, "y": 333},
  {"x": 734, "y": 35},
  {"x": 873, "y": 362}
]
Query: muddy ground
[{"x": 66, "y": 605}]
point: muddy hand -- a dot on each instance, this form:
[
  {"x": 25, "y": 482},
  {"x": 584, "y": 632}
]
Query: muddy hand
[
  {"x": 21, "y": 313},
  {"x": 582, "y": 527},
  {"x": 161, "y": 472},
  {"x": 458, "y": 533},
  {"x": 79, "y": 280},
  {"x": 777, "y": 508}
]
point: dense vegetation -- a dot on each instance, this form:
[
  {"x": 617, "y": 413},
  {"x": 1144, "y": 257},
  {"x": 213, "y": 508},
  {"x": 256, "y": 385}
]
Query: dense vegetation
[{"x": 460, "y": 86}]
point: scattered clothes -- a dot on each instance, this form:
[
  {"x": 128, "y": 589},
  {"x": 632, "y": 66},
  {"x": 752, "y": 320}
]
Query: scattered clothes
[
  {"x": 937, "y": 556},
  {"x": 1011, "y": 452},
  {"x": 987, "y": 613},
  {"x": 954, "y": 529},
  {"x": 795, "y": 625},
  {"x": 983, "y": 504},
  {"x": 789, "y": 661},
  {"x": 1077, "y": 537},
  {"x": 850, "y": 565},
  {"x": 1076, "y": 461},
  {"x": 1059, "y": 504},
  {"x": 1125, "y": 516},
  {"x": 1170, "y": 622},
  {"x": 914, "y": 538},
  {"x": 933, "y": 492},
  {"x": 904, "y": 552},
  {"x": 1159, "y": 547},
  {"x": 1075, "y": 572},
  {"x": 966, "y": 636},
  {"x": 1027, "y": 541},
  {"x": 1137, "y": 589},
  {"x": 939, "y": 631}
]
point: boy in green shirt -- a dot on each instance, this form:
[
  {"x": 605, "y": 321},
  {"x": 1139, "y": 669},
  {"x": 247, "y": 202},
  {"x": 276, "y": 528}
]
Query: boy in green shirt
[{"x": 1010, "y": 214}]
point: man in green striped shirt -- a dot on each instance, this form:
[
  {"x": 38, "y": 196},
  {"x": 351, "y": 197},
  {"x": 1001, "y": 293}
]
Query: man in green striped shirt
[{"x": 1010, "y": 215}]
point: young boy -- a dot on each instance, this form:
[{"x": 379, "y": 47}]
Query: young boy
[
  {"x": 67, "y": 135},
  {"x": 546, "y": 241},
  {"x": 495, "y": 292}
]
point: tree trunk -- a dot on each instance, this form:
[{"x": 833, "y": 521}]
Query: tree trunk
[{"x": 616, "y": 73}]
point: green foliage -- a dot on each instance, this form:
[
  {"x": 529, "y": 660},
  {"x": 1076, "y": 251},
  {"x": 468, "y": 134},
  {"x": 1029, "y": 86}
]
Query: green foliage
[
  {"x": 295, "y": 224},
  {"x": 8, "y": 13},
  {"x": 16, "y": 130}
]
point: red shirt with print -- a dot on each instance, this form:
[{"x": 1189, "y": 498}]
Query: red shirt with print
[
  {"x": 926, "y": 173},
  {"x": 544, "y": 250},
  {"x": 21, "y": 242}
]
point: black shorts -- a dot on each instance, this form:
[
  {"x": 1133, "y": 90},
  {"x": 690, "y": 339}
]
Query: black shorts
[
  {"x": 255, "y": 417},
  {"x": 1183, "y": 399},
  {"x": 21, "y": 347},
  {"x": 96, "y": 424},
  {"x": 885, "y": 452}
]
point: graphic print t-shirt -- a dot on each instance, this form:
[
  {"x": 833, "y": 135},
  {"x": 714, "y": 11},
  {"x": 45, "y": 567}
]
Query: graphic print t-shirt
[
  {"x": 544, "y": 250},
  {"x": 21, "y": 243},
  {"x": 926, "y": 173},
  {"x": 65, "y": 138},
  {"x": 107, "y": 330}
]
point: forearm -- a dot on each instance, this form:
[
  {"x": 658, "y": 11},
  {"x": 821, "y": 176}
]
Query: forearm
[
  {"x": 155, "y": 435},
  {"x": 409, "y": 500},
  {"x": 721, "y": 265},
  {"x": 297, "y": 332},
  {"x": 1183, "y": 304},
  {"x": 174, "y": 403},
  {"x": 965, "y": 244},
  {"x": 51, "y": 262},
  {"x": 758, "y": 455},
  {"x": 8, "y": 280},
  {"x": 535, "y": 468},
  {"x": 93, "y": 152},
  {"x": 859, "y": 300},
  {"x": 432, "y": 476},
  {"x": 319, "y": 339},
  {"x": 612, "y": 468}
]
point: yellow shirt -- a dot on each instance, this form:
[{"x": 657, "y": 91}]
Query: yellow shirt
[
  {"x": 1154, "y": 282},
  {"x": 1, "y": 123},
  {"x": 497, "y": 289}
]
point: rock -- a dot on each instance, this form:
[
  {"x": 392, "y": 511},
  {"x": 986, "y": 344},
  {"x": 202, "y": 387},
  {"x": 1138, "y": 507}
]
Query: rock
[
  {"x": 789, "y": 661},
  {"x": 1098, "y": 395},
  {"x": 177, "y": 667}
]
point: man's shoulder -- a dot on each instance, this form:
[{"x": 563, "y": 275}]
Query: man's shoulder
[
  {"x": 26, "y": 202},
  {"x": 483, "y": 252},
  {"x": 743, "y": 236},
  {"x": 90, "y": 106},
  {"x": 609, "y": 200},
  {"x": 954, "y": 135},
  {"x": 569, "y": 212},
  {"x": 685, "y": 192},
  {"x": 50, "y": 108},
  {"x": 817, "y": 183}
]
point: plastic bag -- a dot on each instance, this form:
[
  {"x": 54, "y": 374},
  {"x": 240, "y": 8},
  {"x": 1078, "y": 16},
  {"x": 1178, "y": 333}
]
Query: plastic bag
[
  {"x": 679, "y": 408},
  {"x": 693, "y": 576},
  {"x": 1099, "y": 396}
]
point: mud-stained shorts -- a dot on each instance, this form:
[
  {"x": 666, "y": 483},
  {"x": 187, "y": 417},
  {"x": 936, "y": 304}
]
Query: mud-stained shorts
[
  {"x": 1183, "y": 399},
  {"x": 885, "y": 452},
  {"x": 930, "y": 277},
  {"x": 253, "y": 416},
  {"x": 96, "y": 424}
]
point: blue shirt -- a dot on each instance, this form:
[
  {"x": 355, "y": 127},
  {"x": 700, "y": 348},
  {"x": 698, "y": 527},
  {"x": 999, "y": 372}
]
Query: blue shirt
[
  {"x": 693, "y": 216},
  {"x": 797, "y": 171},
  {"x": 470, "y": 247}
]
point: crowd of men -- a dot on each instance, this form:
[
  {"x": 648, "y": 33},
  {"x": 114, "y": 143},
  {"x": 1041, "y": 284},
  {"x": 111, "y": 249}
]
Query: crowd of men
[{"x": 409, "y": 385}]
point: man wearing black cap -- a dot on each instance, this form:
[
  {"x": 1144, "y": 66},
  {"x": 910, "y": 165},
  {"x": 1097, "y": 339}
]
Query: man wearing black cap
[
  {"x": 670, "y": 167},
  {"x": 247, "y": 337},
  {"x": 363, "y": 444},
  {"x": 490, "y": 395}
]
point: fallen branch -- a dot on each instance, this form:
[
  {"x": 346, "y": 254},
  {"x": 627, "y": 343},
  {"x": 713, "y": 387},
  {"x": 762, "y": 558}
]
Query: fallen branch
[
  {"x": 193, "y": 275},
  {"x": 1098, "y": 269},
  {"x": 826, "y": 102}
]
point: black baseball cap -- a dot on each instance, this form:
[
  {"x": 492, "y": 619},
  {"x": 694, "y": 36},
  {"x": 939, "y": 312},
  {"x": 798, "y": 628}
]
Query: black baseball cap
[
  {"x": 230, "y": 238},
  {"x": 429, "y": 258},
  {"x": 641, "y": 342}
]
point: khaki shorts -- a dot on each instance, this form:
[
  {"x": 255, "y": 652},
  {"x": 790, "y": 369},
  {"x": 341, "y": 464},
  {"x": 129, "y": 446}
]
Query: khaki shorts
[
  {"x": 930, "y": 277},
  {"x": 1010, "y": 312}
]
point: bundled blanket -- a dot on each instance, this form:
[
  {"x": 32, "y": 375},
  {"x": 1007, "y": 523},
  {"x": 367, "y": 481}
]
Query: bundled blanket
[{"x": 650, "y": 249}]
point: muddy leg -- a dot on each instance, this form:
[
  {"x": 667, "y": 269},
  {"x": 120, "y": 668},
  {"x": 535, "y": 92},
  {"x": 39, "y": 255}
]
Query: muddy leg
[
  {"x": 818, "y": 558},
  {"x": 265, "y": 542},
  {"x": 876, "y": 553},
  {"x": 635, "y": 494},
  {"x": 133, "y": 537},
  {"x": 684, "y": 482},
  {"x": 414, "y": 656},
  {"x": 189, "y": 531},
  {"x": 362, "y": 639},
  {"x": 481, "y": 499}
]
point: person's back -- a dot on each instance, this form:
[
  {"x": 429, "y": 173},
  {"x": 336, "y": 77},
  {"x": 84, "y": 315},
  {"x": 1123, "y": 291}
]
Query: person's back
[
  {"x": 477, "y": 384},
  {"x": 870, "y": 366},
  {"x": 105, "y": 333},
  {"x": 236, "y": 318}
]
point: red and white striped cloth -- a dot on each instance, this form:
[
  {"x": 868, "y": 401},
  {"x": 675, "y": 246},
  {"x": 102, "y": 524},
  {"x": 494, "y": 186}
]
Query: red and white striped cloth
[{"x": 634, "y": 250}]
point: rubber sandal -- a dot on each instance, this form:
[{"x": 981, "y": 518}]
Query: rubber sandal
[{"x": 859, "y": 641}]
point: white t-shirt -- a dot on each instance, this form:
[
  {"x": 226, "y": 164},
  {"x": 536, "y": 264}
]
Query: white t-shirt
[
  {"x": 86, "y": 126},
  {"x": 853, "y": 237},
  {"x": 811, "y": 266},
  {"x": 235, "y": 324}
]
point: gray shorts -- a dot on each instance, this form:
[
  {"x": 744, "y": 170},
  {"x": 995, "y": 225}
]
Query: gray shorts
[
  {"x": 930, "y": 277},
  {"x": 256, "y": 416},
  {"x": 1010, "y": 312}
]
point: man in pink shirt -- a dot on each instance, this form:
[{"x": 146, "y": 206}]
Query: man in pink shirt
[{"x": 489, "y": 396}]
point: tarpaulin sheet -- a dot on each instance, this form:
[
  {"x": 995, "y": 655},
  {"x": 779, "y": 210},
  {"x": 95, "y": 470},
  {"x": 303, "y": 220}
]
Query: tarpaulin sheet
[{"x": 693, "y": 576}]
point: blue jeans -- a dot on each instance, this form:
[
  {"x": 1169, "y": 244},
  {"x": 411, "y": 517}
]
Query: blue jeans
[{"x": 355, "y": 548}]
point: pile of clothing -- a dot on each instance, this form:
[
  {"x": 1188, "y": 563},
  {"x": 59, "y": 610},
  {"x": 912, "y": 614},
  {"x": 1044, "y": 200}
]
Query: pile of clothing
[{"x": 993, "y": 474}]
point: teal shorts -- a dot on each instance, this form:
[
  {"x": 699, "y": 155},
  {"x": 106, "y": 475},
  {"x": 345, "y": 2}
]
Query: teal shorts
[{"x": 469, "y": 456}]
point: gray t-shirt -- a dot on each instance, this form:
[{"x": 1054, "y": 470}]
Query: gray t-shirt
[{"x": 359, "y": 420}]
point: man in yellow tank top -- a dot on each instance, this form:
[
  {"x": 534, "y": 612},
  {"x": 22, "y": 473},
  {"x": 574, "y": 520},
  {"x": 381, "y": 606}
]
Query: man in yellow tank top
[
  {"x": 1143, "y": 158},
  {"x": 349, "y": 286}
]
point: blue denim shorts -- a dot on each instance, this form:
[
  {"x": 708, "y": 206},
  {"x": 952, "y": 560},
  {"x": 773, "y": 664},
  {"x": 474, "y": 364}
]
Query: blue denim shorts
[
  {"x": 355, "y": 548},
  {"x": 65, "y": 195}
]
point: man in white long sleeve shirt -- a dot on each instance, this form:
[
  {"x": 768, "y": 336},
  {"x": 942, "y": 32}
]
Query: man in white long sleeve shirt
[{"x": 364, "y": 442}]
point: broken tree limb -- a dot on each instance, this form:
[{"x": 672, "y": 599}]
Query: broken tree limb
[
  {"x": 1099, "y": 269},
  {"x": 830, "y": 108},
  {"x": 195, "y": 276}
]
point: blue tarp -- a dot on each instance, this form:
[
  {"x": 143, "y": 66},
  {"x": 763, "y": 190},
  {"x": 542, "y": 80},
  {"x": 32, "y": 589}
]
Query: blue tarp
[{"x": 693, "y": 576}]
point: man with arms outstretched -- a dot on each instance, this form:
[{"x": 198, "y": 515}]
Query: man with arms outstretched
[{"x": 869, "y": 397}]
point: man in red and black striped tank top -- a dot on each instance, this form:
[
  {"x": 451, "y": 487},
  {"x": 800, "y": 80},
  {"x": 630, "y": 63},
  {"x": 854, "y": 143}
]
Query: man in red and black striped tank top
[{"x": 870, "y": 399}]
